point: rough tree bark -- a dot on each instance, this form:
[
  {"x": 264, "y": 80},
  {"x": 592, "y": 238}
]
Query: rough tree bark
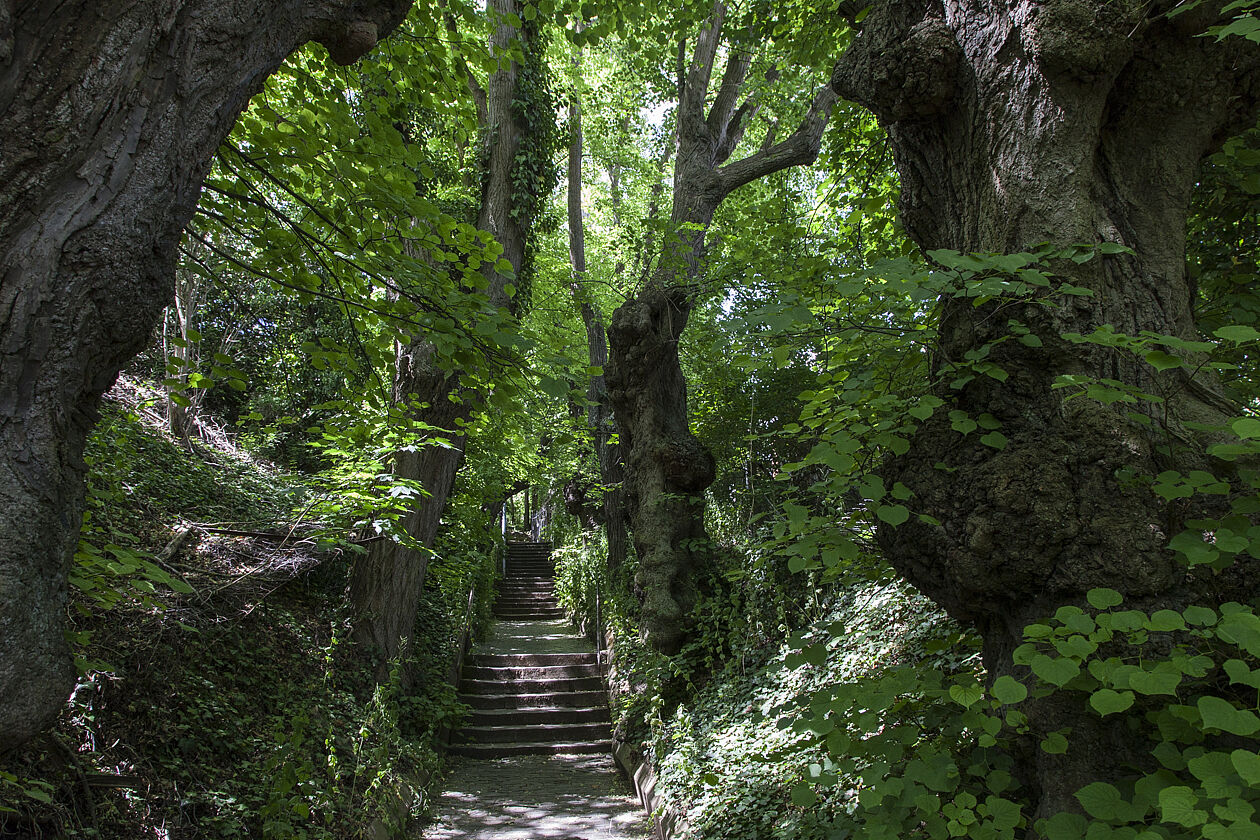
[
  {"x": 385, "y": 584},
  {"x": 1067, "y": 121},
  {"x": 110, "y": 111},
  {"x": 667, "y": 469},
  {"x": 599, "y": 417}
]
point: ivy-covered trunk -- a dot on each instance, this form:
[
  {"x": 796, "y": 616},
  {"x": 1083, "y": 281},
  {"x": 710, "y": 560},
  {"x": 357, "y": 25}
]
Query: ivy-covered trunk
[
  {"x": 599, "y": 418},
  {"x": 667, "y": 468},
  {"x": 386, "y": 583},
  {"x": 109, "y": 115},
  {"x": 1060, "y": 122}
]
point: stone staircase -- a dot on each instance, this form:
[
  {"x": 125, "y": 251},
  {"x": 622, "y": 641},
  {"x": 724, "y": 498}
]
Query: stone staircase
[{"x": 534, "y": 686}]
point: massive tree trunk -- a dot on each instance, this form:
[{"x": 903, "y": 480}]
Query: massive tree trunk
[
  {"x": 599, "y": 417},
  {"x": 386, "y": 583},
  {"x": 109, "y": 114},
  {"x": 667, "y": 469},
  {"x": 1062, "y": 122}
]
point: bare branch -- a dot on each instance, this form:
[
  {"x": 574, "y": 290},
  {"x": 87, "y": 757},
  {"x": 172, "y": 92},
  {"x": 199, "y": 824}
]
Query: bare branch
[{"x": 799, "y": 149}]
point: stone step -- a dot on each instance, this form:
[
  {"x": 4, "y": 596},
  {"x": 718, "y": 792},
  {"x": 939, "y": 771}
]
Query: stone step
[
  {"x": 539, "y": 598},
  {"x": 545, "y": 700},
  {"x": 525, "y": 606},
  {"x": 504, "y": 750},
  {"x": 563, "y": 685},
  {"x": 520, "y": 615},
  {"x": 513, "y": 674},
  {"x": 531, "y": 717},
  {"x": 528, "y": 660},
  {"x": 542, "y": 733}
]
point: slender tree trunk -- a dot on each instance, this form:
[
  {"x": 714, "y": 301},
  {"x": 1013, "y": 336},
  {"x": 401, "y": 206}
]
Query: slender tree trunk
[
  {"x": 109, "y": 114},
  {"x": 1014, "y": 125},
  {"x": 385, "y": 584},
  {"x": 599, "y": 412},
  {"x": 667, "y": 468}
]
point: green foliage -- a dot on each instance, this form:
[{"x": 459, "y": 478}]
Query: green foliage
[{"x": 1192, "y": 674}]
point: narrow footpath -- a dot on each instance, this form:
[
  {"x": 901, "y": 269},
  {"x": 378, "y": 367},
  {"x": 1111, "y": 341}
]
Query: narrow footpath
[{"x": 535, "y": 759}]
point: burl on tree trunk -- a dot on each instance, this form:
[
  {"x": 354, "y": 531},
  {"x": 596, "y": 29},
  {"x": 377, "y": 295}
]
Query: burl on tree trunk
[
  {"x": 110, "y": 111},
  {"x": 1069, "y": 121}
]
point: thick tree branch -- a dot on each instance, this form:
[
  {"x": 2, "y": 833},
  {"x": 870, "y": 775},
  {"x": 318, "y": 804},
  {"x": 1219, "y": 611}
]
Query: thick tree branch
[
  {"x": 800, "y": 148},
  {"x": 720, "y": 114},
  {"x": 695, "y": 90}
]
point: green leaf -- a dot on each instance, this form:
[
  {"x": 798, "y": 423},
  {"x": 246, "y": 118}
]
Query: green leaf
[
  {"x": 1106, "y": 701},
  {"x": 1246, "y": 427},
  {"x": 1100, "y": 800},
  {"x": 1219, "y": 713},
  {"x": 1247, "y": 764},
  {"x": 997, "y": 440},
  {"x": 1161, "y": 360},
  {"x": 1177, "y": 805},
  {"x": 1102, "y": 598},
  {"x": 1008, "y": 690},
  {"x": 1063, "y": 826},
  {"x": 554, "y": 387},
  {"x": 1199, "y": 616},
  {"x": 1155, "y": 682},
  {"x": 1055, "y": 743},
  {"x": 1055, "y": 671},
  {"x": 803, "y": 795},
  {"x": 1237, "y": 333},
  {"x": 1166, "y": 621},
  {"x": 966, "y": 695},
  {"x": 893, "y": 514}
]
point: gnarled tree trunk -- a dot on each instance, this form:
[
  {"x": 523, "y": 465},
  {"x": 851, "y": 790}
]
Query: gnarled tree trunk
[
  {"x": 110, "y": 111},
  {"x": 667, "y": 468},
  {"x": 1062, "y": 122}
]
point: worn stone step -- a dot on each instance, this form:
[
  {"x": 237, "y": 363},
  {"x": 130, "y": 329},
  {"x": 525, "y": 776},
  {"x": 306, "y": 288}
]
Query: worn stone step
[
  {"x": 528, "y": 660},
  {"x": 526, "y": 608},
  {"x": 539, "y": 700},
  {"x": 565, "y": 685},
  {"x": 504, "y": 750},
  {"x": 522, "y": 615},
  {"x": 532, "y": 717},
  {"x": 525, "y": 600},
  {"x": 513, "y": 674},
  {"x": 563, "y": 732}
]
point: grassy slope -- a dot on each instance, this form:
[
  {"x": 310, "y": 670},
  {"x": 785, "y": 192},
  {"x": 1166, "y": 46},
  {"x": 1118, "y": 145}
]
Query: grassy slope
[{"x": 233, "y": 708}]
